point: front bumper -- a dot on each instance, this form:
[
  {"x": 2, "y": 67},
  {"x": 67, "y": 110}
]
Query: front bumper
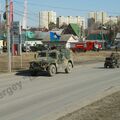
[{"x": 38, "y": 67}]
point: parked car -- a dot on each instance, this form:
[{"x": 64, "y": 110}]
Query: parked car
[{"x": 26, "y": 48}]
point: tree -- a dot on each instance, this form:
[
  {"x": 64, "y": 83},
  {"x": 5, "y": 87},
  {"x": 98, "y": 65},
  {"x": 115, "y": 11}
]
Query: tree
[
  {"x": 4, "y": 16},
  {"x": 64, "y": 26},
  {"x": 118, "y": 26},
  {"x": 2, "y": 28},
  {"x": 51, "y": 25}
]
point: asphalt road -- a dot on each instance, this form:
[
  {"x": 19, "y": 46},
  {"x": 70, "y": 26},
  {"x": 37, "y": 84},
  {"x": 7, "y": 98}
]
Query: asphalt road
[{"x": 46, "y": 98}]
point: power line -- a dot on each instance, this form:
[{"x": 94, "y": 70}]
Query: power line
[
  {"x": 63, "y": 8},
  {"x": 59, "y": 7},
  {"x": 21, "y": 15},
  {"x": 31, "y": 13}
]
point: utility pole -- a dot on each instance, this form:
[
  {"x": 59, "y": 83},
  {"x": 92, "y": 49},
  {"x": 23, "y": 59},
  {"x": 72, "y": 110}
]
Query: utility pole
[
  {"x": 8, "y": 36},
  {"x": 102, "y": 31}
]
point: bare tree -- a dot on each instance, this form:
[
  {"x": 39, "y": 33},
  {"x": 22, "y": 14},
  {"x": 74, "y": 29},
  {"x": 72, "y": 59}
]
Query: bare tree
[
  {"x": 64, "y": 26},
  {"x": 2, "y": 28},
  {"x": 51, "y": 25}
]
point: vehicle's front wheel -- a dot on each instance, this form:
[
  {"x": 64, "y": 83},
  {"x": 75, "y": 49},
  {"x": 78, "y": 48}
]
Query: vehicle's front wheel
[
  {"x": 105, "y": 66},
  {"x": 113, "y": 66},
  {"x": 69, "y": 67},
  {"x": 52, "y": 70},
  {"x": 118, "y": 66}
]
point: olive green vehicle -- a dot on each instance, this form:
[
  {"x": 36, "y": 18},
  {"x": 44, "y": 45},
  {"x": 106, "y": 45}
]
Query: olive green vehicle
[
  {"x": 51, "y": 61},
  {"x": 112, "y": 61}
]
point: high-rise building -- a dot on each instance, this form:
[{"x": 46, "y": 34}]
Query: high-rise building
[
  {"x": 61, "y": 20},
  {"x": 45, "y": 17},
  {"x": 52, "y": 17},
  {"x": 112, "y": 19},
  {"x": 100, "y": 17}
]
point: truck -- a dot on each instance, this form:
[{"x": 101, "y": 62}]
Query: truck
[
  {"x": 86, "y": 46},
  {"x": 51, "y": 61},
  {"x": 113, "y": 61}
]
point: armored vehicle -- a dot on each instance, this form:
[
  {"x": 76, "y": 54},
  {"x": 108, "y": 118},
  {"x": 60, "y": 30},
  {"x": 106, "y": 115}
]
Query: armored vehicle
[
  {"x": 112, "y": 61},
  {"x": 51, "y": 61}
]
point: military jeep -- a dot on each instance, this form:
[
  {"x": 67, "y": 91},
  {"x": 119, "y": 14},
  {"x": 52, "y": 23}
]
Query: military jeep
[
  {"x": 51, "y": 61},
  {"x": 112, "y": 61}
]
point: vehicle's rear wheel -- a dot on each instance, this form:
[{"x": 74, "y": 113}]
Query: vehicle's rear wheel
[
  {"x": 118, "y": 65},
  {"x": 52, "y": 70},
  {"x": 113, "y": 66},
  {"x": 110, "y": 66},
  {"x": 69, "y": 67}
]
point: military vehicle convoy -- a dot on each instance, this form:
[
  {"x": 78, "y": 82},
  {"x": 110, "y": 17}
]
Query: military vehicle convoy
[
  {"x": 113, "y": 61},
  {"x": 51, "y": 61}
]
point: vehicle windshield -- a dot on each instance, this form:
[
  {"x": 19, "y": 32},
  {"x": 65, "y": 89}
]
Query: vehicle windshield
[
  {"x": 52, "y": 55},
  {"x": 42, "y": 54}
]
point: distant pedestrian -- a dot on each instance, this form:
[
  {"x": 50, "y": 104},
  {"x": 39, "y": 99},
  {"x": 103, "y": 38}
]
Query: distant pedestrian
[{"x": 96, "y": 47}]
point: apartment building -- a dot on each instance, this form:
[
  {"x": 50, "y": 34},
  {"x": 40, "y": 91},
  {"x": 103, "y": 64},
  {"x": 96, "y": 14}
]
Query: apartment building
[
  {"x": 112, "y": 19},
  {"x": 45, "y": 17},
  {"x": 61, "y": 20},
  {"x": 100, "y": 17}
]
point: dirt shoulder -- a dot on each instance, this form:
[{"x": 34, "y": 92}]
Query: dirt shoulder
[
  {"x": 90, "y": 56},
  {"x": 107, "y": 108},
  {"x": 22, "y": 62}
]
